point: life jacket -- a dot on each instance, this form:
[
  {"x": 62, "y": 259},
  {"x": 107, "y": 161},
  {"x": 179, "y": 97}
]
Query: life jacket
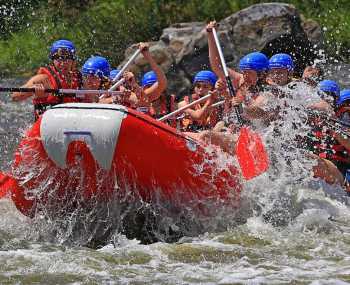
[
  {"x": 340, "y": 111},
  {"x": 57, "y": 81},
  {"x": 324, "y": 144},
  {"x": 333, "y": 151},
  {"x": 159, "y": 107},
  {"x": 188, "y": 124}
]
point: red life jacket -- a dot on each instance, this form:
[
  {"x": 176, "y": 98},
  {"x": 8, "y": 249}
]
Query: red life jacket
[
  {"x": 158, "y": 108},
  {"x": 341, "y": 110},
  {"x": 167, "y": 105},
  {"x": 57, "y": 81},
  {"x": 326, "y": 146}
]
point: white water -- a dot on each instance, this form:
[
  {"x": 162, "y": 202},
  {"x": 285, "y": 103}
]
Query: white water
[{"x": 294, "y": 233}]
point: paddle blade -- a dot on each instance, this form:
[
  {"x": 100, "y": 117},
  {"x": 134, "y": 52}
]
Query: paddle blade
[
  {"x": 251, "y": 154},
  {"x": 5, "y": 184}
]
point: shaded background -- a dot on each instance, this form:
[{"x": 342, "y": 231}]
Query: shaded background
[{"x": 27, "y": 28}]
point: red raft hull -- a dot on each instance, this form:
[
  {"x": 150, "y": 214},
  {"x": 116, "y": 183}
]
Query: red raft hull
[{"x": 103, "y": 152}]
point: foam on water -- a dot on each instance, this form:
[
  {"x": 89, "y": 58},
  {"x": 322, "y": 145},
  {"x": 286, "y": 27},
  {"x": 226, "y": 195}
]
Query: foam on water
[{"x": 291, "y": 228}]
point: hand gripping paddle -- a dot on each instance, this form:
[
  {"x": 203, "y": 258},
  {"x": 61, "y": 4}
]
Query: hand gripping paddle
[{"x": 251, "y": 154}]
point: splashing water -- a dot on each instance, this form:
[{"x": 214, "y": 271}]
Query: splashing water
[{"x": 289, "y": 228}]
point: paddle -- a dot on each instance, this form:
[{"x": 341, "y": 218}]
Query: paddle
[
  {"x": 122, "y": 70},
  {"x": 250, "y": 150},
  {"x": 4, "y": 184},
  {"x": 116, "y": 85},
  {"x": 217, "y": 104},
  {"x": 180, "y": 110},
  {"x": 67, "y": 92}
]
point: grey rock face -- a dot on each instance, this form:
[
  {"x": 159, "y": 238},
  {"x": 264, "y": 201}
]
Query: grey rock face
[{"x": 182, "y": 49}]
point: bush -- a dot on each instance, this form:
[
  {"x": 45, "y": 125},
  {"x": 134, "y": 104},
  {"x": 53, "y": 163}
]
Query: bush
[{"x": 109, "y": 26}]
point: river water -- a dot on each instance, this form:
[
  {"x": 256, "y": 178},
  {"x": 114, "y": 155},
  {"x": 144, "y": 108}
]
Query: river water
[{"x": 295, "y": 230}]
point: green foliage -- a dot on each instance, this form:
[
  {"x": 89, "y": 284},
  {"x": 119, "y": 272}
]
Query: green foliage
[
  {"x": 110, "y": 26},
  {"x": 23, "y": 53},
  {"x": 14, "y": 15},
  {"x": 68, "y": 10}
]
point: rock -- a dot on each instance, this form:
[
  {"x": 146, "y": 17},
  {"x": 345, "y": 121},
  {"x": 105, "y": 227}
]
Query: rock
[
  {"x": 182, "y": 49},
  {"x": 314, "y": 32}
]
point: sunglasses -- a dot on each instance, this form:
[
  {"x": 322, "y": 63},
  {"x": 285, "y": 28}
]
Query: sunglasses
[
  {"x": 63, "y": 54},
  {"x": 202, "y": 85},
  {"x": 91, "y": 76},
  {"x": 63, "y": 58}
]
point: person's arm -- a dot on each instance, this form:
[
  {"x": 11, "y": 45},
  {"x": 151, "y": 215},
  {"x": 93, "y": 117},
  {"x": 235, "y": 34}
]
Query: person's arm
[
  {"x": 39, "y": 82},
  {"x": 221, "y": 88},
  {"x": 131, "y": 84},
  {"x": 106, "y": 100},
  {"x": 154, "y": 92},
  {"x": 203, "y": 111},
  {"x": 255, "y": 110},
  {"x": 214, "y": 58},
  {"x": 227, "y": 142},
  {"x": 128, "y": 98},
  {"x": 194, "y": 114},
  {"x": 253, "y": 113},
  {"x": 321, "y": 106},
  {"x": 198, "y": 114}
]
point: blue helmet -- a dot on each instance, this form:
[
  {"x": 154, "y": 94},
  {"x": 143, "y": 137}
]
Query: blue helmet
[
  {"x": 329, "y": 86},
  {"x": 207, "y": 76},
  {"x": 344, "y": 96},
  {"x": 281, "y": 60},
  {"x": 256, "y": 61},
  {"x": 149, "y": 78},
  {"x": 62, "y": 47},
  {"x": 96, "y": 65},
  {"x": 113, "y": 73}
]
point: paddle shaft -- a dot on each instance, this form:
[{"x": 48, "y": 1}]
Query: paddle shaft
[
  {"x": 217, "y": 104},
  {"x": 120, "y": 82},
  {"x": 180, "y": 110},
  {"x": 126, "y": 65},
  {"x": 66, "y": 92},
  {"x": 227, "y": 76}
]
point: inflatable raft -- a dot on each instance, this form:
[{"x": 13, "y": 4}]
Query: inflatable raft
[{"x": 96, "y": 152}]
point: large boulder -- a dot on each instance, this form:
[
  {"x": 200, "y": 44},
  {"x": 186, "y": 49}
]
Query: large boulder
[{"x": 182, "y": 49}]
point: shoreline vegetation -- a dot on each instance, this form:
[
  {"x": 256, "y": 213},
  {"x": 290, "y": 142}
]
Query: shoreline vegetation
[{"x": 108, "y": 27}]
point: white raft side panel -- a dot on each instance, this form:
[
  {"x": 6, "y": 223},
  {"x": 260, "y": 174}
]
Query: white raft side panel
[{"x": 97, "y": 125}]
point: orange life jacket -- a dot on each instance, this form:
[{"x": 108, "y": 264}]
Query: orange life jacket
[
  {"x": 208, "y": 122},
  {"x": 57, "y": 81},
  {"x": 160, "y": 107}
]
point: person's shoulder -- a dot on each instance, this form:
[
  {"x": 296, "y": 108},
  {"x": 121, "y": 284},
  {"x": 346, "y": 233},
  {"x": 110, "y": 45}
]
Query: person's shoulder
[{"x": 38, "y": 78}]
